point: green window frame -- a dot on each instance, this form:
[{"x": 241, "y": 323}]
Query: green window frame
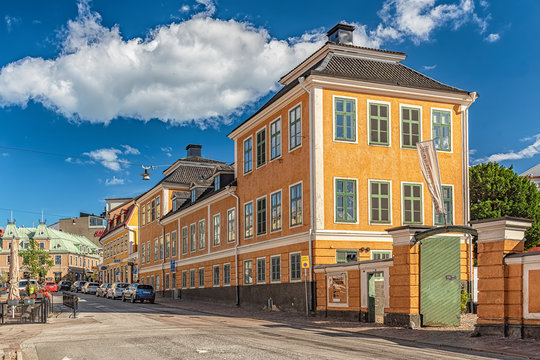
[
  {"x": 346, "y": 256},
  {"x": 248, "y": 155},
  {"x": 275, "y": 262},
  {"x": 261, "y": 216},
  {"x": 226, "y": 274},
  {"x": 275, "y": 211},
  {"x": 379, "y": 202},
  {"x": 412, "y": 203},
  {"x": 261, "y": 147},
  {"x": 248, "y": 220},
  {"x": 295, "y": 127},
  {"x": 275, "y": 139},
  {"x": 261, "y": 270},
  {"x": 442, "y": 129},
  {"x": 410, "y": 127},
  {"x": 215, "y": 277},
  {"x": 345, "y": 191},
  {"x": 296, "y": 270},
  {"x": 379, "y": 121},
  {"x": 448, "y": 206},
  {"x": 344, "y": 119},
  {"x": 380, "y": 254}
]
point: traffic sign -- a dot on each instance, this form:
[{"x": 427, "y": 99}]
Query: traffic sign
[
  {"x": 173, "y": 265},
  {"x": 305, "y": 262}
]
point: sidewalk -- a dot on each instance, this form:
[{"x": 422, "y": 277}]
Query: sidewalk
[{"x": 453, "y": 338}]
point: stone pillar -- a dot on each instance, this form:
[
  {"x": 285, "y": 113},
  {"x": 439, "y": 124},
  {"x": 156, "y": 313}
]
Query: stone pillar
[
  {"x": 496, "y": 238},
  {"x": 404, "y": 278}
]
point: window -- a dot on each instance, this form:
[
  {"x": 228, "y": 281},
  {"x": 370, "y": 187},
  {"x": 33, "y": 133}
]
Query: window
[
  {"x": 156, "y": 250},
  {"x": 167, "y": 245},
  {"x": 161, "y": 248},
  {"x": 380, "y": 254},
  {"x": 217, "y": 229},
  {"x": 174, "y": 242},
  {"x": 410, "y": 127},
  {"x": 345, "y": 256},
  {"x": 8, "y": 259},
  {"x": 261, "y": 147},
  {"x": 41, "y": 245},
  {"x": 261, "y": 271},
  {"x": 143, "y": 253},
  {"x": 58, "y": 260},
  {"x": 248, "y": 220},
  {"x": 166, "y": 282},
  {"x": 441, "y": 131},
  {"x": 201, "y": 277},
  {"x": 148, "y": 252},
  {"x": 175, "y": 204},
  {"x": 193, "y": 196},
  {"x": 345, "y": 119},
  {"x": 157, "y": 283},
  {"x": 217, "y": 183},
  {"x": 184, "y": 279},
  {"x": 378, "y": 124},
  {"x": 153, "y": 209},
  {"x": 226, "y": 274},
  {"x": 296, "y": 204},
  {"x": 193, "y": 237},
  {"x": 231, "y": 225},
  {"x": 216, "y": 275},
  {"x": 248, "y": 272},
  {"x": 143, "y": 215},
  {"x": 412, "y": 203},
  {"x": 248, "y": 155},
  {"x": 275, "y": 274},
  {"x": 148, "y": 213},
  {"x": 158, "y": 207},
  {"x": 95, "y": 221},
  {"x": 184, "y": 240},
  {"x": 275, "y": 139},
  {"x": 295, "y": 127},
  {"x": 295, "y": 267},
  {"x": 202, "y": 233},
  {"x": 379, "y": 200},
  {"x": 447, "y": 201},
  {"x": 192, "y": 278},
  {"x": 275, "y": 215},
  {"x": 126, "y": 243},
  {"x": 345, "y": 200},
  {"x": 261, "y": 216}
]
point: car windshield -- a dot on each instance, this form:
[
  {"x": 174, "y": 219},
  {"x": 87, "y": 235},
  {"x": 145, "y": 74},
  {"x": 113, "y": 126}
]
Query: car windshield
[
  {"x": 122, "y": 285},
  {"x": 145, "y": 287},
  {"x": 82, "y": 283},
  {"x": 23, "y": 282}
]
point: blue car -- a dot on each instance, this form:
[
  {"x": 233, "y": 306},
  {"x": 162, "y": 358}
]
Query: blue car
[{"x": 139, "y": 292}]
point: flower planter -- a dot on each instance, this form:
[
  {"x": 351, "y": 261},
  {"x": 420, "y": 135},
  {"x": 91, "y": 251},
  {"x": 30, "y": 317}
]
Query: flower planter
[
  {"x": 13, "y": 302},
  {"x": 29, "y": 301}
]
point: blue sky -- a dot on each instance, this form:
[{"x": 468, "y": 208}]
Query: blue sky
[{"x": 112, "y": 85}]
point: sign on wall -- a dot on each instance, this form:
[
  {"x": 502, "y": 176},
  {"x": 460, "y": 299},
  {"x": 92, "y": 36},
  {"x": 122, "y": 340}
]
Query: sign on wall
[{"x": 337, "y": 289}]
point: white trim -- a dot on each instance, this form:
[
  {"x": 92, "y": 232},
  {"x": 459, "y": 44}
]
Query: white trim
[
  {"x": 390, "y": 212},
  {"x": 280, "y": 211},
  {"x": 403, "y": 201},
  {"x": 356, "y": 127},
  {"x": 223, "y": 276},
  {"x": 389, "y": 128},
  {"x": 256, "y": 152},
  {"x": 280, "y": 272},
  {"x": 335, "y": 202},
  {"x": 235, "y": 159},
  {"x": 351, "y": 235},
  {"x": 318, "y": 190},
  {"x": 301, "y": 182},
  {"x": 256, "y": 217},
  {"x": 527, "y": 267},
  {"x": 199, "y": 278},
  {"x": 257, "y": 262},
  {"x": 244, "y": 155},
  {"x": 401, "y": 106},
  {"x": 453, "y": 206},
  {"x": 214, "y": 229},
  {"x": 199, "y": 234},
  {"x": 530, "y": 259},
  {"x": 298, "y": 104},
  {"x": 290, "y": 267},
  {"x": 252, "y": 221},
  {"x": 451, "y": 151},
  {"x": 280, "y": 141},
  {"x": 227, "y": 225}
]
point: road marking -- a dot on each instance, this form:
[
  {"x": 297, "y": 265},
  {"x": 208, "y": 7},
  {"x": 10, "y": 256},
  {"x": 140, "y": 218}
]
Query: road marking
[
  {"x": 66, "y": 358},
  {"x": 201, "y": 351}
]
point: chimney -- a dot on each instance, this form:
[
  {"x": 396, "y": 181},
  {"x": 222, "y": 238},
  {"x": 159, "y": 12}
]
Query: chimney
[
  {"x": 193, "y": 150},
  {"x": 341, "y": 34}
]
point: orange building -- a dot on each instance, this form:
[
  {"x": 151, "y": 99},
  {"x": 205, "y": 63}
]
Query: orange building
[{"x": 321, "y": 170}]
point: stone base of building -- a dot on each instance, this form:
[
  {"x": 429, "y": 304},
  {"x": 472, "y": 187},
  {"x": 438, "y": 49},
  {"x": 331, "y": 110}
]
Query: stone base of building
[
  {"x": 348, "y": 315},
  {"x": 516, "y": 331},
  {"x": 414, "y": 321}
]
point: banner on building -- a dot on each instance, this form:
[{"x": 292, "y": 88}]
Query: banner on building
[{"x": 430, "y": 169}]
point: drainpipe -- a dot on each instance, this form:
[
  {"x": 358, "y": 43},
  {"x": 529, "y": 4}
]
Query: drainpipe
[
  {"x": 227, "y": 188},
  {"x": 311, "y": 193}
]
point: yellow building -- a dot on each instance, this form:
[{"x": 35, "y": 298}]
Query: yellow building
[{"x": 119, "y": 242}]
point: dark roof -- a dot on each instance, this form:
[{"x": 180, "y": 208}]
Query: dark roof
[
  {"x": 187, "y": 174},
  {"x": 357, "y": 68},
  {"x": 112, "y": 225}
]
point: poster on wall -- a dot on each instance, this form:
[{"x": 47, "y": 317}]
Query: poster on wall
[{"x": 337, "y": 290}]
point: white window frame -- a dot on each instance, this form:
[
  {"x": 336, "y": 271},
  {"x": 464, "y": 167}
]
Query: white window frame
[
  {"x": 403, "y": 200},
  {"x": 265, "y": 147},
  {"x": 289, "y": 127},
  {"x": 234, "y": 223},
  {"x": 187, "y": 240},
  {"x": 369, "y": 202},
  {"x": 218, "y": 216},
  {"x": 335, "y": 201},
  {"x": 280, "y": 272},
  {"x": 256, "y": 216},
  {"x": 451, "y": 151},
  {"x": 213, "y": 276},
  {"x": 290, "y": 266},
  {"x": 203, "y": 237},
  {"x": 196, "y": 232},
  {"x": 290, "y": 207},
  {"x": 244, "y": 172},
  {"x": 184, "y": 273},
  {"x": 244, "y": 272},
  {"x": 229, "y": 283},
  {"x": 252, "y": 221},
  {"x": 400, "y": 125},
  {"x": 280, "y": 141},
  {"x": 369, "y": 102},
  {"x": 280, "y": 211},
  {"x": 199, "y": 278},
  {"x": 334, "y": 119}
]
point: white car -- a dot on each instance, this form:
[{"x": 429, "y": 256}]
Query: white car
[
  {"x": 116, "y": 290},
  {"x": 90, "y": 288}
]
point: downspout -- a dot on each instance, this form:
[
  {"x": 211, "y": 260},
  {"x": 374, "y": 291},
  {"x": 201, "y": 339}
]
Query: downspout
[
  {"x": 311, "y": 192},
  {"x": 227, "y": 188}
]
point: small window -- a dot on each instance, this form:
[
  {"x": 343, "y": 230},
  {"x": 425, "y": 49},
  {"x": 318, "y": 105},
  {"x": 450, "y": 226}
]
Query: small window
[
  {"x": 275, "y": 220},
  {"x": 148, "y": 252},
  {"x": 202, "y": 233},
  {"x": 295, "y": 127},
  {"x": 217, "y": 230},
  {"x": 58, "y": 260},
  {"x": 345, "y": 119},
  {"x": 380, "y": 254},
  {"x": 345, "y": 256},
  {"x": 412, "y": 204},
  {"x": 184, "y": 240},
  {"x": 215, "y": 281},
  {"x": 248, "y": 220},
  {"x": 167, "y": 246},
  {"x": 201, "y": 277},
  {"x": 379, "y": 202},
  {"x": 217, "y": 183},
  {"x": 261, "y": 271},
  {"x": 296, "y": 204},
  {"x": 231, "y": 225},
  {"x": 192, "y": 278},
  {"x": 41, "y": 245},
  {"x": 143, "y": 253},
  {"x": 275, "y": 262},
  {"x": 193, "y": 196},
  {"x": 248, "y": 272},
  {"x": 184, "y": 279},
  {"x": 174, "y": 243},
  {"x": 295, "y": 267},
  {"x": 153, "y": 210},
  {"x": 275, "y": 139},
  {"x": 410, "y": 127},
  {"x": 248, "y": 155},
  {"x": 161, "y": 252},
  {"x": 193, "y": 237},
  {"x": 345, "y": 200},
  {"x": 226, "y": 274},
  {"x": 448, "y": 206},
  {"x": 378, "y": 124},
  {"x": 156, "y": 250},
  {"x": 261, "y": 216},
  {"x": 442, "y": 132},
  {"x": 261, "y": 147}
]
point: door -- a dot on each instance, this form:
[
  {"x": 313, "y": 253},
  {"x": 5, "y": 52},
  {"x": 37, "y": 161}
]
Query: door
[
  {"x": 375, "y": 297},
  {"x": 440, "y": 281}
]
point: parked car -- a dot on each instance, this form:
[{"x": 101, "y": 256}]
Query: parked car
[
  {"x": 64, "y": 285},
  {"x": 90, "y": 288},
  {"x": 102, "y": 289},
  {"x": 116, "y": 290},
  {"x": 23, "y": 284},
  {"x": 77, "y": 286},
  {"x": 139, "y": 292},
  {"x": 51, "y": 286}
]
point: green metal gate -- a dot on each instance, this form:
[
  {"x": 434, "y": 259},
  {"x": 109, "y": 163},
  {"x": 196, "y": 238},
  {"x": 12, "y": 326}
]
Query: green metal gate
[{"x": 440, "y": 281}]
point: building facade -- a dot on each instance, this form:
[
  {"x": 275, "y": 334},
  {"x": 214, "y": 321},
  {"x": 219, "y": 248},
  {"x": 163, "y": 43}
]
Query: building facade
[{"x": 88, "y": 225}]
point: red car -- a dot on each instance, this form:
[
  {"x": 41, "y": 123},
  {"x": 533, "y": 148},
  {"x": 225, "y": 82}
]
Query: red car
[{"x": 51, "y": 286}]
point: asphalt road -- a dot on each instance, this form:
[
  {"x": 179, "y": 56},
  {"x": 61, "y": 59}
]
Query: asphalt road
[{"x": 111, "y": 329}]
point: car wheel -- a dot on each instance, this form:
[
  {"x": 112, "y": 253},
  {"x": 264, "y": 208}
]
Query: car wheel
[
  {"x": 151, "y": 301},
  {"x": 132, "y": 299},
  {"x": 123, "y": 298}
]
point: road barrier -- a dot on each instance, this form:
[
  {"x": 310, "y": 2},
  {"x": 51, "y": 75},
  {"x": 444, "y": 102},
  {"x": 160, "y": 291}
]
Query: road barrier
[
  {"x": 25, "y": 311},
  {"x": 71, "y": 300}
]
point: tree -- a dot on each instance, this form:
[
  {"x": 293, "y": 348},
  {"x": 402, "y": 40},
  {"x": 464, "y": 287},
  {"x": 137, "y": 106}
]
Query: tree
[
  {"x": 36, "y": 260},
  {"x": 497, "y": 191}
]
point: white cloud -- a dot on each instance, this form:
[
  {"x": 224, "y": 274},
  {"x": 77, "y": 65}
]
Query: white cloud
[
  {"x": 11, "y": 21},
  {"x": 114, "y": 181},
  {"x": 167, "y": 150},
  {"x": 200, "y": 70},
  {"x": 472, "y": 151},
  {"x": 525, "y": 153},
  {"x": 429, "y": 67},
  {"x": 492, "y": 38},
  {"x": 185, "y": 8},
  {"x": 78, "y": 161},
  {"x": 5, "y": 154},
  {"x": 108, "y": 157},
  {"x": 128, "y": 150}
]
